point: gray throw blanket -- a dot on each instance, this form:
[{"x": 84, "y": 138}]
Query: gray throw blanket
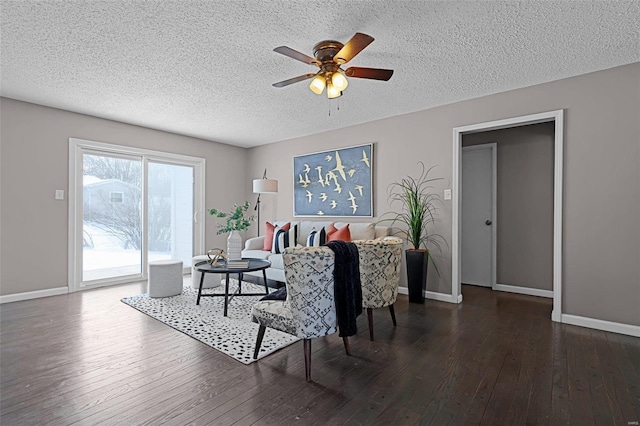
[{"x": 348, "y": 292}]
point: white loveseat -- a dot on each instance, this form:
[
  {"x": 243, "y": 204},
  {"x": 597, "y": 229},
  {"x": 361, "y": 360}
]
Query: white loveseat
[{"x": 253, "y": 247}]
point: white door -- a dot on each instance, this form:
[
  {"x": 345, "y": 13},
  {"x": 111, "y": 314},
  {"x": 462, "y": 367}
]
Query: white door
[{"x": 478, "y": 215}]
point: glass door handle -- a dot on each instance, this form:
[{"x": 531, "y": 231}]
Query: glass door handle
[{"x": 195, "y": 217}]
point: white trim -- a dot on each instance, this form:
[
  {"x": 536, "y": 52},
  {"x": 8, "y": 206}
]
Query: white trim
[
  {"x": 16, "y": 297},
  {"x": 456, "y": 220},
  {"x": 493, "y": 146},
  {"x": 613, "y": 327},
  {"x": 556, "y": 314},
  {"x": 543, "y": 117},
  {"x": 524, "y": 290},
  {"x": 160, "y": 156},
  {"x": 144, "y": 223},
  {"x": 199, "y": 195},
  {"x": 73, "y": 245},
  {"x": 494, "y": 214},
  {"x": 76, "y": 147},
  {"x": 552, "y": 116},
  {"x": 441, "y": 297}
]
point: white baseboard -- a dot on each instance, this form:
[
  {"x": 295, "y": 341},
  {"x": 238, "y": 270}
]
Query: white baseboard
[
  {"x": 441, "y": 297},
  {"x": 614, "y": 327},
  {"x": 16, "y": 297},
  {"x": 524, "y": 290}
]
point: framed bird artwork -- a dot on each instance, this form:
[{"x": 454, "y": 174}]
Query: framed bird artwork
[{"x": 335, "y": 183}]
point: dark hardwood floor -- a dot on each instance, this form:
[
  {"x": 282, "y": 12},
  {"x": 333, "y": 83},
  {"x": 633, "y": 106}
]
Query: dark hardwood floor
[{"x": 496, "y": 359}]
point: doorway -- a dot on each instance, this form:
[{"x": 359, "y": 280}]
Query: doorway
[
  {"x": 555, "y": 117},
  {"x": 129, "y": 207}
]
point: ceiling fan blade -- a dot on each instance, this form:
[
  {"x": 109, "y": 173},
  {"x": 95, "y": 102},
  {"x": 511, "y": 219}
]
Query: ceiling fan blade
[
  {"x": 293, "y": 80},
  {"x": 371, "y": 73},
  {"x": 352, "y": 48},
  {"x": 287, "y": 51}
]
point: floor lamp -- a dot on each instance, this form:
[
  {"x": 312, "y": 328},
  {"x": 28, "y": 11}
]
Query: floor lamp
[{"x": 263, "y": 186}]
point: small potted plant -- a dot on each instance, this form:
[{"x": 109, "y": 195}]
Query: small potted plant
[
  {"x": 235, "y": 222},
  {"x": 415, "y": 198}
]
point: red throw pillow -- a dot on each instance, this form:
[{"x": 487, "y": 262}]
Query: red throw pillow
[
  {"x": 268, "y": 234},
  {"x": 342, "y": 234}
]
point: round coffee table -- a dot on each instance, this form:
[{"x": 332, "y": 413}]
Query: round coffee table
[{"x": 254, "y": 265}]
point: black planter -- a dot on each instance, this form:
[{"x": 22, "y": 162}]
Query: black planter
[{"x": 417, "y": 274}]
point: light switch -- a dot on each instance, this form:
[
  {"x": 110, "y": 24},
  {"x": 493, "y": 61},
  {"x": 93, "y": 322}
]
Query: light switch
[
  {"x": 447, "y": 194},
  {"x": 59, "y": 194}
]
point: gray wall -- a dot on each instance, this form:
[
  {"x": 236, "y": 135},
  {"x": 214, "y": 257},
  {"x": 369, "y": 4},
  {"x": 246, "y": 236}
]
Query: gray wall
[
  {"x": 525, "y": 203},
  {"x": 601, "y": 267},
  {"x": 35, "y": 162}
]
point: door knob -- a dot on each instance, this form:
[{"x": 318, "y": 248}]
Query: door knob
[{"x": 488, "y": 222}]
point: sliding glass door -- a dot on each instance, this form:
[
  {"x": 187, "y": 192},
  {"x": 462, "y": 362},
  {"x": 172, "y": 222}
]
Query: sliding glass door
[
  {"x": 112, "y": 216},
  {"x": 130, "y": 207},
  {"x": 170, "y": 212}
]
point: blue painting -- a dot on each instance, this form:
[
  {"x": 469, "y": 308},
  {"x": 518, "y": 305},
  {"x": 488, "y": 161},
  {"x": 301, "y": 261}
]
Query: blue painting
[{"x": 334, "y": 183}]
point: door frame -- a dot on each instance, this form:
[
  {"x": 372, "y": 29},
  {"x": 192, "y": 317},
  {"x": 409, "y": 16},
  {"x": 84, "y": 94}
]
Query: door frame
[
  {"x": 557, "y": 117},
  {"x": 76, "y": 149},
  {"x": 493, "y": 146}
]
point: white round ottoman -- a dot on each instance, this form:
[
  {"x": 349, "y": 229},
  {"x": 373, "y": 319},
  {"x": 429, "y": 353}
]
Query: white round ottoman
[
  {"x": 165, "y": 278},
  {"x": 210, "y": 280}
]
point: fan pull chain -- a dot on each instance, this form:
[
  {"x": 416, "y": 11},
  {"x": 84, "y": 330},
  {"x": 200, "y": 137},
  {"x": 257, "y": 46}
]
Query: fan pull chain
[{"x": 329, "y": 105}]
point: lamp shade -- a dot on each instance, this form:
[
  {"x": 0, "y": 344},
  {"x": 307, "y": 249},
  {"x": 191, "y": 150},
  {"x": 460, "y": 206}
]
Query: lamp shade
[
  {"x": 317, "y": 84},
  {"x": 339, "y": 81},
  {"x": 265, "y": 186},
  {"x": 332, "y": 91}
]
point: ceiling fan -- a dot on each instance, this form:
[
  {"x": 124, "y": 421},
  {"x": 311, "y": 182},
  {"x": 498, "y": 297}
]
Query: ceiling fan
[{"x": 329, "y": 56}]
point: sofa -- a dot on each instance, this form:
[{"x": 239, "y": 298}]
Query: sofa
[{"x": 254, "y": 247}]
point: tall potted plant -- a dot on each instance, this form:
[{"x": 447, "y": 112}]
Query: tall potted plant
[
  {"x": 415, "y": 199},
  {"x": 235, "y": 222}
]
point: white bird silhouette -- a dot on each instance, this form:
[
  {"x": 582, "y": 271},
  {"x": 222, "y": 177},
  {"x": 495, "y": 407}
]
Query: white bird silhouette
[
  {"x": 333, "y": 204},
  {"x": 351, "y": 172},
  {"x": 359, "y": 188},
  {"x": 331, "y": 175},
  {"x": 328, "y": 158},
  {"x": 354, "y": 206},
  {"x": 303, "y": 182},
  {"x": 320, "y": 180},
  {"x": 323, "y": 196},
  {"x": 365, "y": 159},
  {"x": 307, "y": 168},
  {"x": 338, "y": 188},
  {"x": 309, "y": 195},
  {"x": 339, "y": 167},
  {"x": 320, "y": 213}
]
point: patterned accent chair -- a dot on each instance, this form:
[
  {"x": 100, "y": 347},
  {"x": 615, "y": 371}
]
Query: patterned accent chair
[
  {"x": 380, "y": 274},
  {"x": 309, "y": 310}
]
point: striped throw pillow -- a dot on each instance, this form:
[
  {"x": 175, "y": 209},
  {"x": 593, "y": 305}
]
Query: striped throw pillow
[
  {"x": 317, "y": 239},
  {"x": 283, "y": 238}
]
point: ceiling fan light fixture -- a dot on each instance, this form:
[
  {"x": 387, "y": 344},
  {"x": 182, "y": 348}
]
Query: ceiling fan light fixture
[
  {"x": 317, "y": 84},
  {"x": 332, "y": 91},
  {"x": 329, "y": 56},
  {"x": 339, "y": 81}
]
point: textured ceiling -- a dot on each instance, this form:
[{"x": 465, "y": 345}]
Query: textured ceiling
[{"x": 205, "y": 68}]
